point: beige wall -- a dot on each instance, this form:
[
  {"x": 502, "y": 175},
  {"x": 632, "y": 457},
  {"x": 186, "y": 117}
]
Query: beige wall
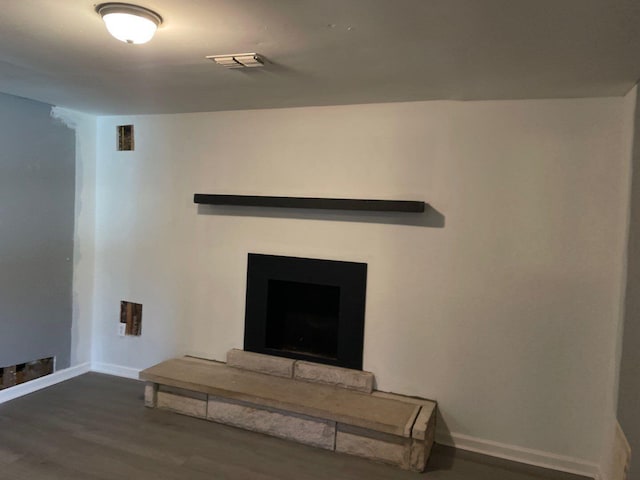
[
  {"x": 629, "y": 392},
  {"x": 507, "y": 314}
]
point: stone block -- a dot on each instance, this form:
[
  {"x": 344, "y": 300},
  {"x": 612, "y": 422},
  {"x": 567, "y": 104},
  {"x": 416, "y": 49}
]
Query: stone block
[
  {"x": 183, "y": 392},
  {"x": 337, "y": 376},
  {"x": 422, "y": 438},
  {"x": 425, "y": 423},
  {"x": 419, "y": 456},
  {"x": 405, "y": 398},
  {"x": 374, "y": 446},
  {"x": 257, "y": 362},
  {"x": 194, "y": 407},
  {"x": 150, "y": 394},
  {"x": 307, "y": 430}
]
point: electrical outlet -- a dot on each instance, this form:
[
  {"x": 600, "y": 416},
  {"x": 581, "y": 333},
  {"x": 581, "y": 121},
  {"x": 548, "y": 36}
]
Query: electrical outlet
[{"x": 122, "y": 328}]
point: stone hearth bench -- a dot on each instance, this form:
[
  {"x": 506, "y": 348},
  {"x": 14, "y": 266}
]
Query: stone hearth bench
[{"x": 339, "y": 413}]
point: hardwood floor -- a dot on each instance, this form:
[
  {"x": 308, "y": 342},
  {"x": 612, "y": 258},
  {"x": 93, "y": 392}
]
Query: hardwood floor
[{"x": 95, "y": 427}]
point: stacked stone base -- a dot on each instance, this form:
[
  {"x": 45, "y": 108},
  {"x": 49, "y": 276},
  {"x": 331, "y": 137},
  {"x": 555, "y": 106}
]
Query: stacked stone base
[{"x": 408, "y": 449}]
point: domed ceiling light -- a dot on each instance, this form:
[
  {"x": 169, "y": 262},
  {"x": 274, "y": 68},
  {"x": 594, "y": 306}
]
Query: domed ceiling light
[{"x": 129, "y": 23}]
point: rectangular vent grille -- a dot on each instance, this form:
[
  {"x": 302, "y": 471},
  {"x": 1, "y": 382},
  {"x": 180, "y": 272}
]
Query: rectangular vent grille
[{"x": 238, "y": 60}]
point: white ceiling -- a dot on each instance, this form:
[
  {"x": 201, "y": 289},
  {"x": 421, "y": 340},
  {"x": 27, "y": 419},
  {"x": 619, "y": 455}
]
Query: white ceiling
[{"x": 324, "y": 52}]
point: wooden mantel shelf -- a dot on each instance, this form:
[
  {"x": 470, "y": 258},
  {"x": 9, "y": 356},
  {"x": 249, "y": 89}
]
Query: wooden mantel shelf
[{"x": 311, "y": 203}]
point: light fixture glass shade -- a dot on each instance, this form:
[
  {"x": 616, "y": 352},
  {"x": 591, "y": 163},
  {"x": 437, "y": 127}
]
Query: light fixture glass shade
[{"x": 129, "y": 23}]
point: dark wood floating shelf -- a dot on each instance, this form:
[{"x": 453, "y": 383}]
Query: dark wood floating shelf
[{"x": 313, "y": 203}]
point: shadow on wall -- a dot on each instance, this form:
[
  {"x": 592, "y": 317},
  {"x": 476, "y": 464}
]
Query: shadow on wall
[{"x": 431, "y": 217}]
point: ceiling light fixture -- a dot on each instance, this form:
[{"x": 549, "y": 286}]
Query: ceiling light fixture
[{"x": 129, "y": 23}]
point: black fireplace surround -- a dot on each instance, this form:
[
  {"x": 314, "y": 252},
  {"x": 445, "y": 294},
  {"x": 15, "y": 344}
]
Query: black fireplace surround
[{"x": 307, "y": 309}]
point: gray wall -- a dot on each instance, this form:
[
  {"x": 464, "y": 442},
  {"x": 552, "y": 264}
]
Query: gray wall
[
  {"x": 629, "y": 390},
  {"x": 37, "y": 183}
]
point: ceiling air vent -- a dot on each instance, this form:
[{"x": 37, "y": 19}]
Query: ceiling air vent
[{"x": 238, "y": 60}]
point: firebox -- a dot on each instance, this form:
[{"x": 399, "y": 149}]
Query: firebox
[{"x": 304, "y": 308}]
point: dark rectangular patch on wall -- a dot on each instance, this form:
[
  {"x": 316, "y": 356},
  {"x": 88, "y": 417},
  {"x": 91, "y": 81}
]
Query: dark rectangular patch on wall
[
  {"x": 24, "y": 372},
  {"x": 125, "y": 137},
  {"x": 131, "y": 316}
]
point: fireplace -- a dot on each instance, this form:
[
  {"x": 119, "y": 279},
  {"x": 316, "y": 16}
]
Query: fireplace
[{"x": 306, "y": 309}]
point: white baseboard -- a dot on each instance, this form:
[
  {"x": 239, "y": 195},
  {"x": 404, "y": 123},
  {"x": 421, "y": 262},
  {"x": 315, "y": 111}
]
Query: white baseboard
[
  {"x": 43, "y": 382},
  {"x": 514, "y": 453},
  {"x": 116, "y": 370}
]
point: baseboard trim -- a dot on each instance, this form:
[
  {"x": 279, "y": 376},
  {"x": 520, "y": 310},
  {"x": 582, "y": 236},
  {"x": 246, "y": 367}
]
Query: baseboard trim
[
  {"x": 31, "y": 386},
  {"x": 514, "y": 453},
  {"x": 116, "y": 370}
]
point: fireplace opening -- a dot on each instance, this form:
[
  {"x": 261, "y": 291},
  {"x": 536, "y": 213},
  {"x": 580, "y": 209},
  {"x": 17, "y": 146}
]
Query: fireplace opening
[
  {"x": 303, "y": 318},
  {"x": 307, "y": 309}
]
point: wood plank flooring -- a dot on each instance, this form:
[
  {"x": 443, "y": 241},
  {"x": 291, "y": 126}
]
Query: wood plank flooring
[{"x": 95, "y": 427}]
